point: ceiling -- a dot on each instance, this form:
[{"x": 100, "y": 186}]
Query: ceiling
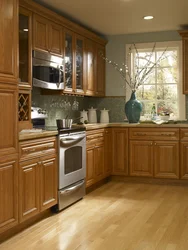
[{"x": 114, "y": 17}]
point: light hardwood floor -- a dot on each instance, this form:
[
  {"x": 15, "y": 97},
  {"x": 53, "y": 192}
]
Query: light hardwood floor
[{"x": 117, "y": 216}]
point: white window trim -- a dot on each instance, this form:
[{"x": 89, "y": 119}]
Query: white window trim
[{"x": 181, "y": 96}]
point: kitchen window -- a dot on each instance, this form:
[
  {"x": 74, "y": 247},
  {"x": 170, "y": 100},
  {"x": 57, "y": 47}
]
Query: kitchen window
[{"x": 163, "y": 87}]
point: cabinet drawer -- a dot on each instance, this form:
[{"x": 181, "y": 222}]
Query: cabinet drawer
[
  {"x": 32, "y": 148},
  {"x": 154, "y": 133},
  {"x": 184, "y": 134}
]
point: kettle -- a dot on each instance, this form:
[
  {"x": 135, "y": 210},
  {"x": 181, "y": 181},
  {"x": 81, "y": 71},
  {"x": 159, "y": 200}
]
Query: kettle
[
  {"x": 84, "y": 116},
  {"x": 104, "y": 118},
  {"x": 92, "y": 115}
]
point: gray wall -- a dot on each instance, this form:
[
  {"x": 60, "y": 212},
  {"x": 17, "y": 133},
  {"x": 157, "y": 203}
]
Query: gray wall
[{"x": 115, "y": 51}]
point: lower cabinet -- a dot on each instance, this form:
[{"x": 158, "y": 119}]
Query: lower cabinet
[
  {"x": 95, "y": 157},
  {"x": 166, "y": 159},
  {"x": 120, "y": 151},
  {"x": 154, "y": 158},
  {"x": 37, "y": 177},
  {"x": 154, "y": 152},
  {"x": 29, "y": 189},
  {"x": 141, "y": 158},
  {"x": 48, "y": 182},
  {"x": 8, "y": 192},
  {"x": 107, "y": 152}
]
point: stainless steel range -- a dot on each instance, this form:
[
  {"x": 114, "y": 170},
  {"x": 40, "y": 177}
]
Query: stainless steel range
[{"x": 72, "y": 166}]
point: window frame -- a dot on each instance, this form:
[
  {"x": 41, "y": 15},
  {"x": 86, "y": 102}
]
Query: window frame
[{"x": 162, "y": 45}]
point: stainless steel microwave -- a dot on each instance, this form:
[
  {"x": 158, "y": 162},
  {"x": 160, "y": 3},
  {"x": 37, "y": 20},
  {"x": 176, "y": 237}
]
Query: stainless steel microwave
[{"x": 48, "y": 71}]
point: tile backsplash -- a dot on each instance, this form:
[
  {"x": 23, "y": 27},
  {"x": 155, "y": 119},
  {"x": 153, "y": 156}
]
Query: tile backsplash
[{"x": 57, "y": 109}]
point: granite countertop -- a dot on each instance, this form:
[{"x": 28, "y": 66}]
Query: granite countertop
[
  {"x": 144, "y": 124},
  {"x": 34, "y": 134}
]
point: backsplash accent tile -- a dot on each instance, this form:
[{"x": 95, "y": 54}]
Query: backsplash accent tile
[{"x": 115, "y": 105}]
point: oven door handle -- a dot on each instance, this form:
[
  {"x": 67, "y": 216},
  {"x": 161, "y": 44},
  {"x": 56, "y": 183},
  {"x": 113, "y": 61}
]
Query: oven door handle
[
  {"x": 70, "y": 141},
  {"x": 72, "y": 189}
]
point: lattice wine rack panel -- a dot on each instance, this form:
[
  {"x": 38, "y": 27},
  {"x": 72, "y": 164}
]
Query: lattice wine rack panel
[{"x": 23, "y": 109}]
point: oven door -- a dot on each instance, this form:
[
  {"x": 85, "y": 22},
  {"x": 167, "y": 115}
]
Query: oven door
[{"x": 72, "y": 159}]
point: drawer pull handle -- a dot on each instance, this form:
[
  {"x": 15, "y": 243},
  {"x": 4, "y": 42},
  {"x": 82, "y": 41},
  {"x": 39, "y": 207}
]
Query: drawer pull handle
[
  {"x": 29, "y": 150},
  {"x": 141, "y": 134},
  {"x": 164, "y": 134}
]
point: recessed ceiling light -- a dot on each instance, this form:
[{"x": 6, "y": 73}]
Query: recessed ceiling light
[
  {"x": 148, "y": 17},
  {"x": 26, "y": 30}
]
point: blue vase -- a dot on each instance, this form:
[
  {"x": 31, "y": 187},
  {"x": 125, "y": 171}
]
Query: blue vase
[{"x": 133, "y": 108}]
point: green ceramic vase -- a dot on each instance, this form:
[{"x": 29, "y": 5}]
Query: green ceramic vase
[{"x": 133, "y": 109}]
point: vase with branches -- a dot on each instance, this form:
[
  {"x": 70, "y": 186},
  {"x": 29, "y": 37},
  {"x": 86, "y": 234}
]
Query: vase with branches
[{"x": 144, "y": 65}]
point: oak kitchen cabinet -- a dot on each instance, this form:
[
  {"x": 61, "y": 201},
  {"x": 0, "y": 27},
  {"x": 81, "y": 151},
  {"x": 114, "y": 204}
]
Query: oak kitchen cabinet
[
  {"x": 100, "y": 71},
  {"x": 8, "y": 192},
  {"x": 107, "y": 151},
  {"x": 47, "y": 35},
  {"x": 120, "y": 151},
  {"x": 94, "y": 157},
  {"x": 37, "y": 176},
  {"x": 154, "y": 152},
  {"x": 74, "y": 63},
  {"x": 184, "y": 153},
  {"x": 95, "y": 68},
  {"x": 184, "y": 34},
  {"x": 9, "y": 41}
]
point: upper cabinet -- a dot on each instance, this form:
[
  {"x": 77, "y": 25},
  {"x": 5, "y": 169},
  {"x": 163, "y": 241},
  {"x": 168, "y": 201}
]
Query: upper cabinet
[
  {"x": 47, "y": 35},
  {"x": 184, "y": 35},
  {"x": 74, "y": 63},
  {"x": 100, "y": 74},
  {"x": 9, "y": 41},
  {"x": 95, "y": 69},
  {"x": 90, "y": 68},
  {"x": 25, "y": 51}
]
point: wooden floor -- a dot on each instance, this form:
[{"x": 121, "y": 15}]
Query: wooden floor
[{"x": 117, "y": 216}]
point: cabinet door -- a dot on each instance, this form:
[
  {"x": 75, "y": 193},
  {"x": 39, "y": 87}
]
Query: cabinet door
[
  {"x": 100, "y": 64},
  {"x": 184, "y": 35},
  {"x": 8, "y": 120},
  {"x": 141, "y": 158},
  {"x": 40, "y": 33},
  {"x": 28, "y": 189},
  {"x": 48, "y": 182},
  {"x": 79, "y": 64},
  {"x": 8, "y": 192},
  {"x": 90, "y": 68},
  {"x": 166, "y": 159},
  {"x": 69, "y": 59},
  {"x": 120, "y": 152},
  {"x": 90, "y": 166},
  {"x": 55, "y": 39},
  {"x": 184, "y": 160},
  {"x": 25, "y": 48},
  {"x": 108, "y": 152},
  {"x": 9, "y": 40},
  {"x": 99, "y": 161}
]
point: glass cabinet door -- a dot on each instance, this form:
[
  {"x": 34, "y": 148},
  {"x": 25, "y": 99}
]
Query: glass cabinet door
[
  {"x": 68, "y": 60},
  {"x": 79, "y": 63},
  {"x": 25, "y": 48}
]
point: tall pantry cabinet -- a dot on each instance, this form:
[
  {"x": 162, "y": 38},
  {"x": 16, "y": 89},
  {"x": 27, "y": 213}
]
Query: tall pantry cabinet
[{"x": 8, "y": 114}]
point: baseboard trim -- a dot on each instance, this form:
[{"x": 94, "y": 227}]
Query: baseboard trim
[{"x": 149, "y": 180}]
